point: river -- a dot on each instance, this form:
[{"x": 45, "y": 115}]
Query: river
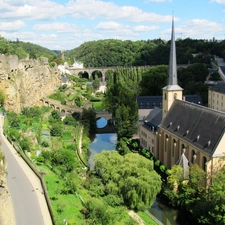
[{"x": 107, "y": 141}]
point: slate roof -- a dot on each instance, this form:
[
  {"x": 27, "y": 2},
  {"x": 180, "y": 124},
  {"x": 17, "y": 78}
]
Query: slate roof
[
  {"x": 153, "y": 120},
  {"x": 219, "y": 87},
  {"x": 223, "y": 69},
  {"x": 198, "y": 125},
  {"x": 149, "y": 102}
]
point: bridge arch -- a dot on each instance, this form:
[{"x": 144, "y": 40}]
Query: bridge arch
[
  {"x": 97, "y": 73},
  {"x": 83, "y": 74}
]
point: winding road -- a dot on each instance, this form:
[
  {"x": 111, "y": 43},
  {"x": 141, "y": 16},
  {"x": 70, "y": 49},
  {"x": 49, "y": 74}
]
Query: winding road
[{"x": 29, "y": 203}]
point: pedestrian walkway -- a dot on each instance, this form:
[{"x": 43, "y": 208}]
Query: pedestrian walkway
[{"x": 34, "y": 180}]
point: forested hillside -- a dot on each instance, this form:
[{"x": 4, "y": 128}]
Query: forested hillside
[
  {"x": 113, "y": 52},
  {"x": 28, "y": 50}
]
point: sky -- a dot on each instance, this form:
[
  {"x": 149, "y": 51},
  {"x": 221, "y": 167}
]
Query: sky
[{"x": 66, "y": 24}]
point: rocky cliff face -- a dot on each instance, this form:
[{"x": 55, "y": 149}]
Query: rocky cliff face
[{"x": 25, "y": 82}]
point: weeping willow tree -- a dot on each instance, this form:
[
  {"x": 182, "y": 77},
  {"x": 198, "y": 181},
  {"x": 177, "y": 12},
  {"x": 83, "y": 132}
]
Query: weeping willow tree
[{"x": 131, "y": 177}]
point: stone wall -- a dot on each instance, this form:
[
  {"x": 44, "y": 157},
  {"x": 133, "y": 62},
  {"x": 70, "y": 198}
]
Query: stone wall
[{"x": 25, "y": 82}]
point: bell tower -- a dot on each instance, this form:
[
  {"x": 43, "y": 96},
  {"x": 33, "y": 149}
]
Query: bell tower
[{"x": 172, "y": 91}]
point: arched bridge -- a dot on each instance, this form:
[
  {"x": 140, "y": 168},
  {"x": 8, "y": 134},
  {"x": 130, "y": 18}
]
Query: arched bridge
[
  {"x": 103, "y": 114},
  {"x": 56, "y": 105},
  {"x": 103, "y": 70},
  {"x": 68, "y": 110}
]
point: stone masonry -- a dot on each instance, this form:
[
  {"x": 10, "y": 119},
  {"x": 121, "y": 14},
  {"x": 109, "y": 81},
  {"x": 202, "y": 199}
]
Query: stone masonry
[{"x": 25, "y": 82}]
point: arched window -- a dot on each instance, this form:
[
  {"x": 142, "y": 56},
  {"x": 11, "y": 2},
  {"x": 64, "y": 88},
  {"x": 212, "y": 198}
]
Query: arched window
[
  {"x": 166, "y": 142},
  {"x": 174, "y": 147},
  {"x": 175, "y": 96},
  {"x": 193, "y": 156},
  {"x": 204, "y": 160}
]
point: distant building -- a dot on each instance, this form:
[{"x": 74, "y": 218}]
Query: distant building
[
  {"x": 77, "y": 65},
  {"x": 216, "y": 96}
]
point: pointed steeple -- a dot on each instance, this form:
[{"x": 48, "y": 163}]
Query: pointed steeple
[
  {"x": 172, "y": 72},
  {"x": 172, "y": 91}
]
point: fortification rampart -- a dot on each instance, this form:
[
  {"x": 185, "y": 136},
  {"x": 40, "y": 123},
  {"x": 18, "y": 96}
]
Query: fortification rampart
[{"x": 25, "y": 82}]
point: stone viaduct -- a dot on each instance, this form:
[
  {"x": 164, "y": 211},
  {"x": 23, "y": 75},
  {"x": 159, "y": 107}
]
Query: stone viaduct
[
  {"x": 90, "y": 71},
  {"x": 69, "y": 110},
  {"x": 103, "y": 70}
]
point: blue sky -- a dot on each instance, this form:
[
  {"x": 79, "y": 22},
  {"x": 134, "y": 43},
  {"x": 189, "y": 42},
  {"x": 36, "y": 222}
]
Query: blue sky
[{"x": 66, "y": 24}]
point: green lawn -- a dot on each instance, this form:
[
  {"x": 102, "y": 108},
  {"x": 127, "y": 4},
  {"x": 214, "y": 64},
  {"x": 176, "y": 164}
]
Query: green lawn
[
  {"x": 98, "y": 106},
  {"x": 148, "y": 220},
  {"x": 64, "y": 206}
]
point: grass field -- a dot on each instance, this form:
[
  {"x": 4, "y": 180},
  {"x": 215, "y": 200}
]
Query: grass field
[{"x": 98, "y": 106}]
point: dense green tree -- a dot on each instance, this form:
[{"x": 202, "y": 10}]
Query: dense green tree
[
  {"x": 97, "y": 212},
  {"x": 188, "y": 194},
  {"x": 121, "y": 101},
  {"x": 217, "y": 199},
  {"x": 56, "y": 115},
  {"x": 5, "y": 47},
  {"x": 56, "y": 130},
  {"x": 25, "y": 144},
  {"x": 215, "y": 77},
  {"x": 13, "y": 118},
  {"x": 126, "y": 120},
  {"x": 69, "y": 120},
  {"x": 153, "y": 80},
  {"x": 63, "y": 159},
  {"x": 21, "y": 53},
  {"x": 131, "y": 176},
  {"x": 89, "y": 119},
  {"x": 31, "y": 112},
  {"x": 96, "y": 83}
]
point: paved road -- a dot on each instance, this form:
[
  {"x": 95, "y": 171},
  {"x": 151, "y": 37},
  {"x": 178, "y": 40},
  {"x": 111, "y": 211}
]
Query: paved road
[
  {"x": 25, "y": 188},
  {"x": 220, "y": 61}
]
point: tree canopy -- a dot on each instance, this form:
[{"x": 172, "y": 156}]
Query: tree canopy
[{"x": 131, "y": 176}]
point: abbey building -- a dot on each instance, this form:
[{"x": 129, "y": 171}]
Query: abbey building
[{"x": 184, "y": 129}]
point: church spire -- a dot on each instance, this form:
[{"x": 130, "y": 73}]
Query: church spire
[
  {"x": 172, "y": 72},
  {"x": 172, "y": 91}
]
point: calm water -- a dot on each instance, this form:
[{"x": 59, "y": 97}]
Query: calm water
[
  {"x": 101, "y": 142},
  {"x": 166, "y": 215},
  {"x": 107, "y": 141}
]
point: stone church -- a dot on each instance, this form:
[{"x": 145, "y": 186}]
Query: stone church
[{"x": 182, "y": 129}]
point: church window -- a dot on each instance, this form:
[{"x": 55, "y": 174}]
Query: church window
[
  {"x": 166, "y": 142},
  {"x": 193, "y": 156},
  {"x": 165, "y": 96},
  {"x": 204, "y": 160},
  {"x": 174, "y": 146},
  {"x": 175, "y": 96}
]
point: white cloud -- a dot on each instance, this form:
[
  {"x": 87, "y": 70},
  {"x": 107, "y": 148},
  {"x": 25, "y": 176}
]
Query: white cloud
[
  {"x": 110, "y": 25},
  {"x": 197, "y": 28},
  {"x": 143, "y": 28},
  {"x": 11, "y": 26},
  {"x": 119, "y": 31},
  {"x": 57, "y": 27},
  {"x": 219, "y": 1},
  {"x": 31, "y": 10},
  {"x": 109, "y": 10}
]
